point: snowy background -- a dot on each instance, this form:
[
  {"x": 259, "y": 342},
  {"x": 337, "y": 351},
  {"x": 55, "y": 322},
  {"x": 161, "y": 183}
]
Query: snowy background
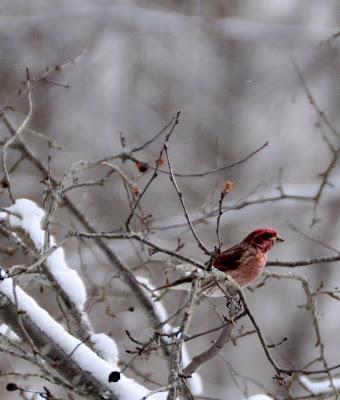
[{"x": 229, "y": 67}]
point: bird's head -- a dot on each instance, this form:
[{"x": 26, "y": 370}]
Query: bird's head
[{"x": 263, "y": 238}]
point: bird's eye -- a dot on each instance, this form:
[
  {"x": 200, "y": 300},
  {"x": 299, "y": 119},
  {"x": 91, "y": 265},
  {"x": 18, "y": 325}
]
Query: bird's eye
[{"x": 267, "y": 235}]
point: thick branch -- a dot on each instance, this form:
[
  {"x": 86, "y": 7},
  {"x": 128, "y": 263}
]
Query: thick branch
[{"x": 207, "y": 355}]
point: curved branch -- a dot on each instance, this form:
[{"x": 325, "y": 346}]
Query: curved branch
[{"x": 208, "y": 354}]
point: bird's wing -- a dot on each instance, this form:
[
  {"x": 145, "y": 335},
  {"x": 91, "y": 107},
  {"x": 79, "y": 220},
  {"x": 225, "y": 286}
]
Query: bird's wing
[{"x": 230, "y": 259}]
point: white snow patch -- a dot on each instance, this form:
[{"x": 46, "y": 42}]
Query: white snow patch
[
  {"x": 34, "y": 396},
  {"x": 7, "y": 331},
  {"x": 319, "y": 387},
  {"x": 106, "y": 347},
  {"x": 3, "y": 274}
]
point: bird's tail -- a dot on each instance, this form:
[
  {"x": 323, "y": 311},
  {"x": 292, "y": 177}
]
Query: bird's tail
[
  {"x": 179, "y": 284},
  {"x": 208, "y": 286}
]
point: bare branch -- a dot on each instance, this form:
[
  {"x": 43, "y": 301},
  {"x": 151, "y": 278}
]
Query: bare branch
[
  {"x": 16, "y": 133},
  {"x": 175, "y": 362},
  {"x": 207, "y": 355},
  {"x": 154, "y": 175},
  {"x": 302, "y": 263},
  {"x": 312, "y": 101},
  {"x": 201, "y": 245},
  {"x": 135, "y": 236},
  {"x": 204, "y": 173},
  {"x": 156, "y": 136}
]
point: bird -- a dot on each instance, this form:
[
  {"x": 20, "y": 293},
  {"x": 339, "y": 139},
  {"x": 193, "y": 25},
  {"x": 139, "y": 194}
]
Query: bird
[{"x": 243, "y": 262}]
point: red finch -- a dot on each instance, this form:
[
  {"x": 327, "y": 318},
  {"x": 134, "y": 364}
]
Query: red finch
[{"x": 244, "y": 262}]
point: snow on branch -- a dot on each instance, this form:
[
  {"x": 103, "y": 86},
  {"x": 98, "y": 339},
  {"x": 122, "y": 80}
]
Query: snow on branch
[
  {"x": 319, "y": 387},
  {"x": 25, "y": 214},
  {"x": 106, "y": 347},
  {"x": 7, "y": 331},
  {"x": 71, "y": 357}
]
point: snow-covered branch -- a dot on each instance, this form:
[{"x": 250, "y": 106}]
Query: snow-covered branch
[{"x": 83, "y": 370}]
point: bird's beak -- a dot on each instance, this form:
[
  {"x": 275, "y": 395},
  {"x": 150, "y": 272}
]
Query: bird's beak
[{"x": 279, "y": 239}]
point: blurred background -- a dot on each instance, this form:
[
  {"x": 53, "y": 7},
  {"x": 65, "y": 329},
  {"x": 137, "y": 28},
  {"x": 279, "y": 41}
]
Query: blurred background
[{"x": 229, "y": 66}]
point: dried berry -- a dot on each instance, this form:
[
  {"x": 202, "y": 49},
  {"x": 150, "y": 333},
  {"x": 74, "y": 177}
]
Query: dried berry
[
  {"x": 11, "y": 387},
  {"x": 114, "y": 376},
  {"x": 142, "y": 167}
]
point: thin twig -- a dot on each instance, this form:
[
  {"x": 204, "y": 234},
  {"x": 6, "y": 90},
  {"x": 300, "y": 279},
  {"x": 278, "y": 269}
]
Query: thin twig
[
  {"x": 35, "y": 350},
  {"x": 237, "y": 206},
  {"x": 16, "y": 270},
  {"x": 208, "y": 354},
  {"x": 135, "y": 236},
  {"x": 320, "y": 242},
  {"x": 175, "y": 360},
  {"x": 156, "y": 136},
  {"x": 259, "y": 334},
  {"x": 302, "y": 263},
  {"x": 324, "y": 181},
  {"x": 154, "y": 175},
  {"x": 201, "y": 245},
  {"x": 197, "y": 335},
  {"x": 49, "y": 70},
  {"x": 218, "y": 219},
  {"x": 312, "y": 101},
  {"x": 17, "y": 132}
]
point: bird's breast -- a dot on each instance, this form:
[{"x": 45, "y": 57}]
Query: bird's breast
[{"x": 250, "y": 270}]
